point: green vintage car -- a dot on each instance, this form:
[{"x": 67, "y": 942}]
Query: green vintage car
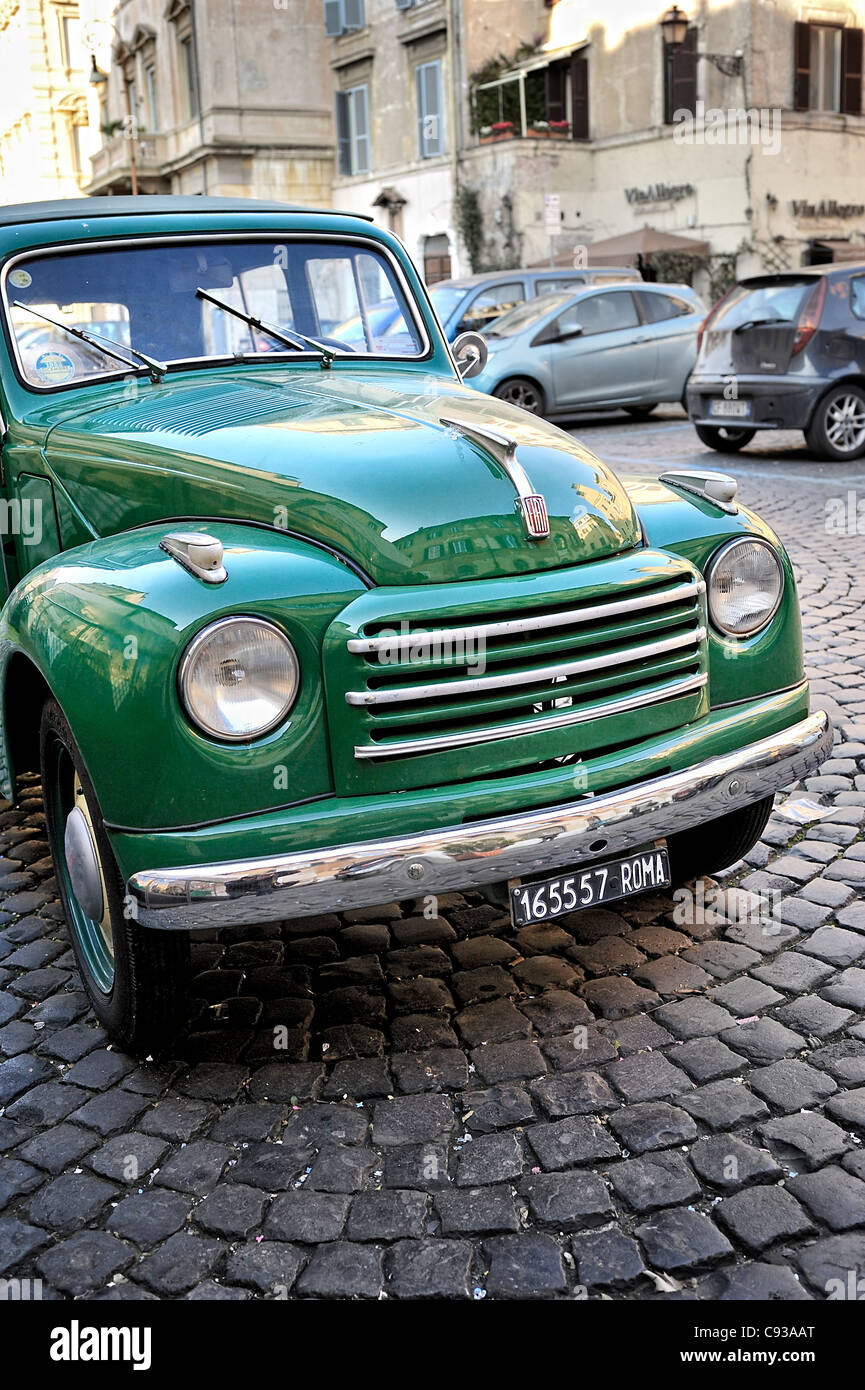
[{"x": 295, "y": 623}]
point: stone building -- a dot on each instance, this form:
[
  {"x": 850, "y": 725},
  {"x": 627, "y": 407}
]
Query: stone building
[
  {"x": 45, "y": 139},
  {"x": 228, "y": 97}
]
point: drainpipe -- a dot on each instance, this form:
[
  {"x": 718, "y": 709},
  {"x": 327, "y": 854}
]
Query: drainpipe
[
  {"x": 454, "y": 60},
  {"x": 198, "y": 93}
]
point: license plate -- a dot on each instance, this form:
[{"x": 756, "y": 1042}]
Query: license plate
[
  {"x": 741, "y": 409},
  {"x": 603, "y": 883}
]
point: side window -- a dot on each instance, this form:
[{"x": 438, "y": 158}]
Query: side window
[
  {"x": 657, "y": 307},
  {"x": 857, "y": 296},
  {"x": 601, "y": 313},
  {"x": 491, "y": 304},
  {"x": 554, "y": 286}
]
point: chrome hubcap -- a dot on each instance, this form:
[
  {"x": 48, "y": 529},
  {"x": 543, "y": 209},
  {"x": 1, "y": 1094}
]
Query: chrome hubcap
[
  {"x": 85, "y": 870},
  {"x": 845, "y": 422}
]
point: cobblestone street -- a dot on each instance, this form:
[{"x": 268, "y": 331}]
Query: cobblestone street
[{"x": 430, "y": 1128}]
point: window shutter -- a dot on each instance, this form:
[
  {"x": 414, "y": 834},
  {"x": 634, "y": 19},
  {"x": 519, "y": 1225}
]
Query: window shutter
[
  {"x": 343, "y": 140},
  {"x": 801, "y": 65},
  {"x": 684, "y": 75},
  {"x": 555, "y": 93},
  {"x": 404, "y": 4},
  {"x": 333, "y": 17},
  {"x": 361, "y": 130},
  {"x": 352, "y": 15},
  {"x": 579, "y": 98},
  {"x": 851, "y": 72},
  {"x": 433, "y": 109}
]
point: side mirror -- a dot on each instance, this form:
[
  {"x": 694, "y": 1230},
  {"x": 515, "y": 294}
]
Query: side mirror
[
  {"x": 470, "y": 354},
  {"x": 575, "y": 332}
]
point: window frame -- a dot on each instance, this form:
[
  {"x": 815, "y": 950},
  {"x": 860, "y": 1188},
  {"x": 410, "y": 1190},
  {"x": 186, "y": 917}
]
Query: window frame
[
  {"x": 350, "y": 140},
  {"x": 423, "y": 114}
]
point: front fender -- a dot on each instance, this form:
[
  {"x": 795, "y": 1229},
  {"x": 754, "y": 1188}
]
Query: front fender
[
  {"x": 744, "y": 668},
  {"x": 106, "y": 624}
]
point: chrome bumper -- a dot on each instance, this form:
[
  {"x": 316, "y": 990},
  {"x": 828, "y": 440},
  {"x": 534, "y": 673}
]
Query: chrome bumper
[{"x": 463, "y": 856}]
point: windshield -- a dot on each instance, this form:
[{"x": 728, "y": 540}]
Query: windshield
[
  {"x": 777, "y": 299},
  {"x": 525, "y": 315},
  {"x": 445, "y": 299},
  {"x": 144, "y": 297}
]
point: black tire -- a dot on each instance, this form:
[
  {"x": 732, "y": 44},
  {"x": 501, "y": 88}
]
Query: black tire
[
  {"x": 136, "y": 980},
  {"x": 837, "y": 430},
  {"x": 640, "y": 412},
  {"x": 521, "y": 391},
  {"x": 683, "y": 399},
  {"x": 719, "y": 843},
  {"x": 727, "y": 439}
]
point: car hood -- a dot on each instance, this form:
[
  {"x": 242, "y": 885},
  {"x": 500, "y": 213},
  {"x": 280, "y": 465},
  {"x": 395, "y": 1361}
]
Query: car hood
[{"x": 359, "y": 462}]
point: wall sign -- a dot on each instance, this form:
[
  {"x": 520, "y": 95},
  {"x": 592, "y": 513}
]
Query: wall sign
[
  {"x": 660, "y": 193},
  {"x": 827, "y": 208}
]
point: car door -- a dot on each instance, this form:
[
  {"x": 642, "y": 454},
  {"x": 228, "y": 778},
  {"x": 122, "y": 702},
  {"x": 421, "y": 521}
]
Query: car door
[
  {"x": 490, "y": 303},
  {"x": 675, "y": 321},
  {"x": 611, "y": 358}
]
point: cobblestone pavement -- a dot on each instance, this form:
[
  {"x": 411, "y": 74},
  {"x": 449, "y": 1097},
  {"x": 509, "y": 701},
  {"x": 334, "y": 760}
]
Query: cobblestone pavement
[{"x": 430, "y": 1128}]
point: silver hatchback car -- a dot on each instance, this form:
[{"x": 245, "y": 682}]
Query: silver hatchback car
[{"x": 606, "y": 346}]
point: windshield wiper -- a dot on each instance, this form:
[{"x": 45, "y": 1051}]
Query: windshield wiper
[
  {"x": 759, "y": 323},
  {"x": 156, "y": 370},
  {"x": 287, "y": 336}
]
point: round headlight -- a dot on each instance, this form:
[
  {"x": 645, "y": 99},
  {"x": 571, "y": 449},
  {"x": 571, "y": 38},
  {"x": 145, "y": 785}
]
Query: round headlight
[
  {"x": 239, "y": 678},
  {"x": 745, "y": 583}
]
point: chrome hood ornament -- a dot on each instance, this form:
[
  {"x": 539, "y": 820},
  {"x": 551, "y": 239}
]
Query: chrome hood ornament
[{"x": 503, "y": 450}]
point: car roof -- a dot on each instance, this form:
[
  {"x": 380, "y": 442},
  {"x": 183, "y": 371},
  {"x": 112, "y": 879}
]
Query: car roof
[
  {"x": 468, "y": 282},
  {"x": 806, "y": 272},
  {"x": 70, "y": 209}
]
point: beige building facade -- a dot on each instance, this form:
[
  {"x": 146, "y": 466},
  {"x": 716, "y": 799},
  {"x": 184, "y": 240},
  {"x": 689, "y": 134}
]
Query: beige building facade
[
  {"x": 227, "y": 97},
  {"x": 749, "y": 137},
  {"x": 45, "y": 136}
]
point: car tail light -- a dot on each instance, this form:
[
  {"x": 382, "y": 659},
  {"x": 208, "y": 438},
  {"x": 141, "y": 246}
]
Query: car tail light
[
  {"x": 809, "y": 319},
  {"x": 711, "y": 314}
]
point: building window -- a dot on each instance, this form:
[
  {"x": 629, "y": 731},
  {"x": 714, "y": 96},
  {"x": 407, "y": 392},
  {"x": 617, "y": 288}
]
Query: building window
[
  {"x": 343, "y": 17},
  {"x": 150, "y": 88},
  {"x": 566, "y": 94},
  {"x": 827, "y": 72},
  {"x": 680, "y": 77},
  {"x": 77, "y": 159},
  {"x": 71, "y": 30},
  {"x": 428, "y": 89},
  {"x": 189, "y": 76},
  {"x": 352, "y": 130},
  {"x": 436, "y": 259}
]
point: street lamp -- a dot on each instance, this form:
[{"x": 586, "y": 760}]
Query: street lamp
[
  {"x": 674, "y": 27},
  {"x": 98, "y": 79}
]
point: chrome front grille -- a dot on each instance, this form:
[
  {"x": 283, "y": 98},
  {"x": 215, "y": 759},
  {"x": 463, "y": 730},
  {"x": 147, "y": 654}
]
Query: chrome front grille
[{"x": 563, "y": 664}]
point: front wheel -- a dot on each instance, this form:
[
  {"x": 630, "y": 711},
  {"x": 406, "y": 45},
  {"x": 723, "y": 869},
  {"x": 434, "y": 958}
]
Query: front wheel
[
  {"x": 727, "y": 439},
  {"x": 837, "y": 430},
  {"x": 135, "y": 978},
  {"x": 518, "y": 390},
  {"x": 717, "y": 844}
]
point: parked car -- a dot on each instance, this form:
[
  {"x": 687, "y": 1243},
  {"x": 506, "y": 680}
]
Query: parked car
[
  {"x": 607, "y": 346},
  {"x": 473, "y": 302},
  {"x": 323, "y": 627},
  {"x": 785, "y": 351}
]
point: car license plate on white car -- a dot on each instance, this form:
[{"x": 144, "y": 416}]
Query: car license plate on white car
[
  {"x": 740, "y": 409},
  {"x": 603, "y": 883}
]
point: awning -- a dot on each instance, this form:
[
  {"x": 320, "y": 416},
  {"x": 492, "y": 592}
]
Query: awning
[
  {"x": 541, "y": 59},
  {"x": 623, "y": 250}
]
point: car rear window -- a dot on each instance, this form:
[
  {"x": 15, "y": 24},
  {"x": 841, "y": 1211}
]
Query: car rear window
[{"x": 772, "y": 300}]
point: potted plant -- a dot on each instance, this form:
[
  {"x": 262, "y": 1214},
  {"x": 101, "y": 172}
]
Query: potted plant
[
  {"x": 539, "y": 130},
  {"x": 560, "y": 130}
]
